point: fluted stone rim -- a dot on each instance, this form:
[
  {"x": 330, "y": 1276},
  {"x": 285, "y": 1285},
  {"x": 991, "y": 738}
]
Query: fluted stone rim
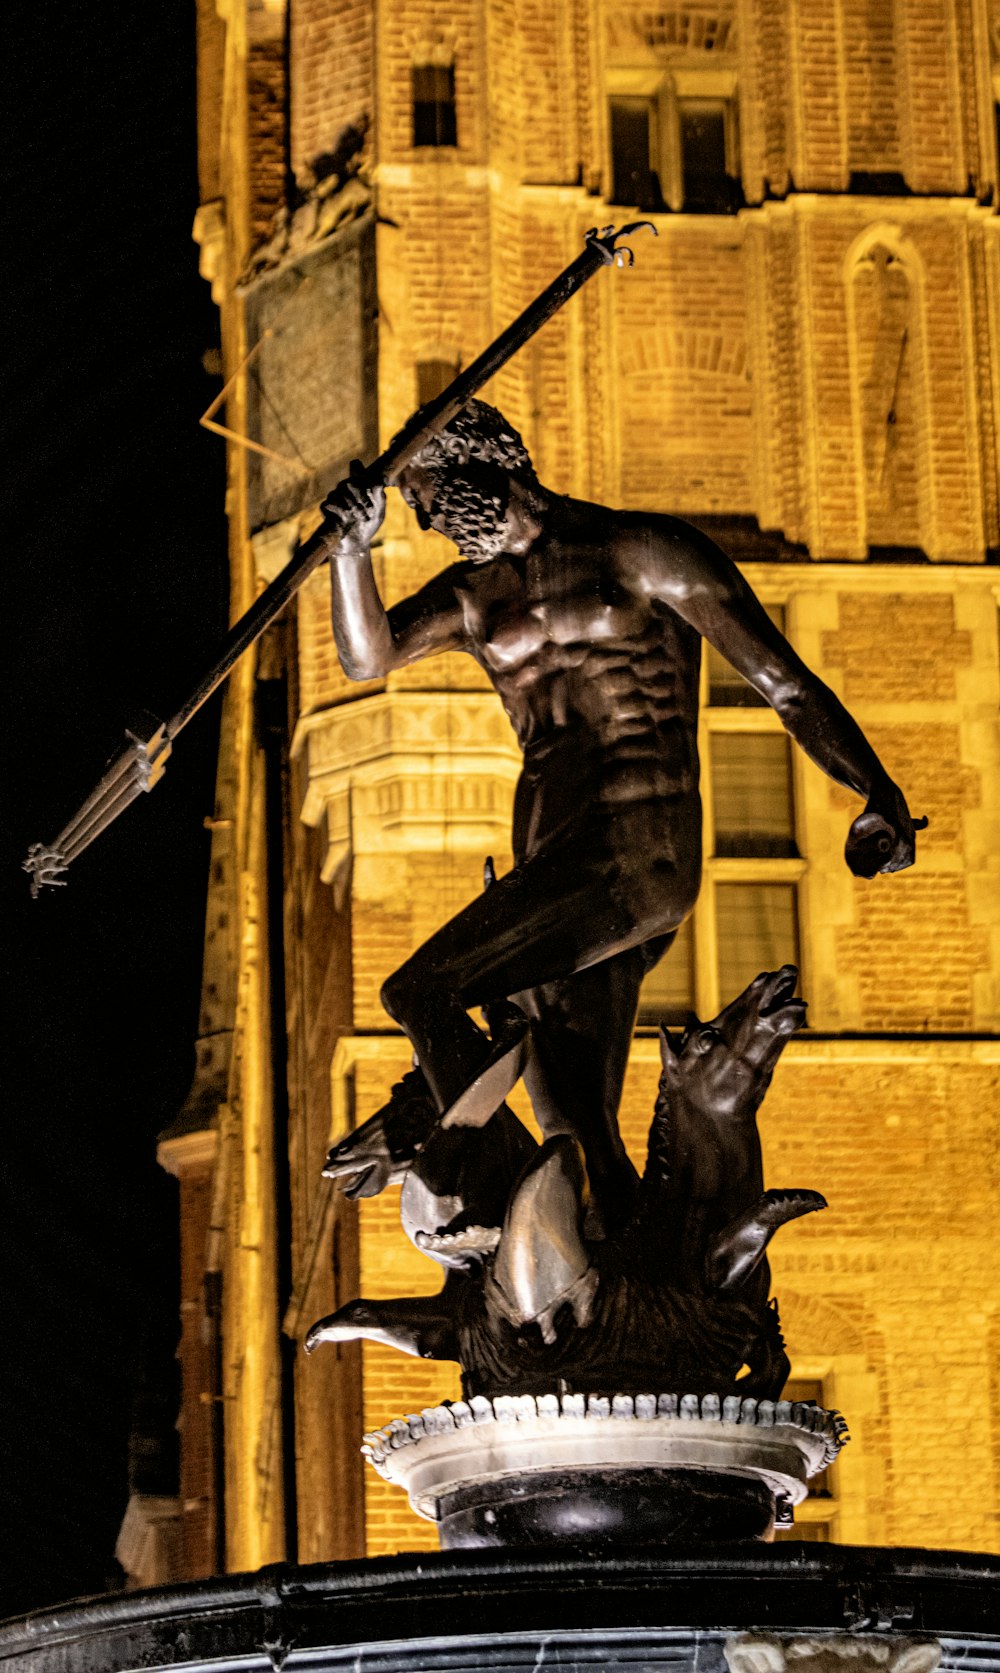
[{"x": 826, "y": 1425}]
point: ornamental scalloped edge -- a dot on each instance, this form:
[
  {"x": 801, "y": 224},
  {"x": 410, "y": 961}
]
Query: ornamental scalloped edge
[{"x": 829, "y": 1426}]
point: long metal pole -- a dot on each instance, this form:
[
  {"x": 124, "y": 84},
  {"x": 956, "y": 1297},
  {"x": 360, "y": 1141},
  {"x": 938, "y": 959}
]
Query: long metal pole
[{"x": 145, "y": 755}]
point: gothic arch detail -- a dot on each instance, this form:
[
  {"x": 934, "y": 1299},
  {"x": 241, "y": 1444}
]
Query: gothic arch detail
[
  {"x": 808, "y": 1320},
  {"x": 885, "y": 305}
]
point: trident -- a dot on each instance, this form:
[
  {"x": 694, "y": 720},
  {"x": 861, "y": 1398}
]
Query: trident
[{"x": 142, "y": 759}]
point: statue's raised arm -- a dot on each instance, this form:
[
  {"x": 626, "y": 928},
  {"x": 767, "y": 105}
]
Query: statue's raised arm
[
  {"x": 673, "y": 563},
  {"x": 371, "y": 641}
]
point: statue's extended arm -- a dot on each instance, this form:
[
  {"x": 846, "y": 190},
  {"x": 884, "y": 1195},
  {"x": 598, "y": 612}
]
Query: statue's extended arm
[
  {"x": 683, "y": 568},
  {"x": 372, "y": 641}
]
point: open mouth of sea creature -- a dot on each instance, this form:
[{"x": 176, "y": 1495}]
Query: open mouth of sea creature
[
  {"x": 779, "y": 995},
  {"x": 471, "y": 1240},
  {"x": 360, "y": 1184}
]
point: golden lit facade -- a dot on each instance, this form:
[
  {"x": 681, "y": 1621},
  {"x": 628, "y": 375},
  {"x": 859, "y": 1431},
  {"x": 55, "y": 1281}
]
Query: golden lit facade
[{"x": 806, "y": 362}]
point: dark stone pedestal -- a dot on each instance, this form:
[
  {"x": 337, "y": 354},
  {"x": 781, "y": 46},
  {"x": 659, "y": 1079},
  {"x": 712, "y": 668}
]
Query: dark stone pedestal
[{"x": 607, "y": 1508}]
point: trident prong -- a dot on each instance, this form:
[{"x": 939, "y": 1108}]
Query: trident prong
[
  {"x": 605, "y": 242},
  {"x": 44, "y": 865}
]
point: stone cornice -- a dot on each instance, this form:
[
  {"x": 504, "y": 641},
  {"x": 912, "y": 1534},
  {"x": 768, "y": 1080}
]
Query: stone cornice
[
  {"x": 405, "y": 771},
  {"x": 181, "y": 1153}
]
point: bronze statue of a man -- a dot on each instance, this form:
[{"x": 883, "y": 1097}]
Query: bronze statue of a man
[{"x": 588, "y": 622}]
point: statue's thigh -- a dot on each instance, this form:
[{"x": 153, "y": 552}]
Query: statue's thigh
[{"x": 548, "y": 917}]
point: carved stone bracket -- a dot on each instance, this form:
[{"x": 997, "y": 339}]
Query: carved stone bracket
[{"x": 400, "y": 772}]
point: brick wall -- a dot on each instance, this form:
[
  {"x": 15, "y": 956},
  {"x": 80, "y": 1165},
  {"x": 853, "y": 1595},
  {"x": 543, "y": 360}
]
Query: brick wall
[
  {"x": 933, "y": 154},
  {"x": 684, "y": 392},
  {"x": 893, "y": 647},
  {"x": 738, "y": 369},
  {"x": 331, "y": 48},
  {"x": 266, "y": 94},
  {"x": 422, "y": 32},
  {"x": 889, "y": 1279},
  {"x": 765, "y": 110},
  {"x": 871, "y": 77}
]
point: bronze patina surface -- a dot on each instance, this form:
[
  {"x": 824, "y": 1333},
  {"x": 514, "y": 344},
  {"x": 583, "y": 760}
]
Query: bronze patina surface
[{"x": 564, "y": 1270}]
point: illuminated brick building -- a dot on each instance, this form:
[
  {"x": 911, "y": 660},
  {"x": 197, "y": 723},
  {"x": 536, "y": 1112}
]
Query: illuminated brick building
[{"x": 807, "y": 363}]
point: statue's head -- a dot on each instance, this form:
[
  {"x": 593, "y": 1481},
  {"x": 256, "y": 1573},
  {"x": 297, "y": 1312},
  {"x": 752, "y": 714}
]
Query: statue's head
[
  {"x": 724, "y": 1067},
  {"x": 474, "y": 482}
]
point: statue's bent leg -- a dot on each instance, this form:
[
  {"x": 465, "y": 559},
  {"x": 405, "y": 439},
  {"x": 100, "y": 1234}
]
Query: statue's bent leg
[
  {"x": 581, "y": 1030},
  {"x": 550, "y": 916}
]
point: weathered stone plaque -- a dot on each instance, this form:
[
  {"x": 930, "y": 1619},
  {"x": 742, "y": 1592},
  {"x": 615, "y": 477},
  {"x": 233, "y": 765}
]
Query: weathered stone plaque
[{"x": 310, "y": 401}]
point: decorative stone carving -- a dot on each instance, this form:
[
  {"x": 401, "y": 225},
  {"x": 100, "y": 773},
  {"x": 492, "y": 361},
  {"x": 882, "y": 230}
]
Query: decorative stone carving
[
  {"x": 761, "y": 1653},
  {"x": 693, "y": 1456}
]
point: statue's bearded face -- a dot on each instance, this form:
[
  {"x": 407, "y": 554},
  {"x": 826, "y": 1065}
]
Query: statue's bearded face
[
  {"x": 468, "y": 503},
  {"x": 473, "y": 483}
]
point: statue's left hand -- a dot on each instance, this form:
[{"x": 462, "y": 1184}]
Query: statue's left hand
[{"x": 883, "y": 837}]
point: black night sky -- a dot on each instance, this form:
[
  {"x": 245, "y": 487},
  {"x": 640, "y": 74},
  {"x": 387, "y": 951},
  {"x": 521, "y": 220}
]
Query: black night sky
[{"x": 114, "y": 577}]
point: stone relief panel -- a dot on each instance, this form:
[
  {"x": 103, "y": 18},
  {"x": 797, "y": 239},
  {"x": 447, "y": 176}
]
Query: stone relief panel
[{"x": 310, "y": 393}]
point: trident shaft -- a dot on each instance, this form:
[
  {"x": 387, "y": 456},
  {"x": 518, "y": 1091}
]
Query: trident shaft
[{"x": 141, "y": 761}]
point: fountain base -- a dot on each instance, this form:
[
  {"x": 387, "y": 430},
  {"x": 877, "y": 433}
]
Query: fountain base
[{"x": 616, "y": 1470}]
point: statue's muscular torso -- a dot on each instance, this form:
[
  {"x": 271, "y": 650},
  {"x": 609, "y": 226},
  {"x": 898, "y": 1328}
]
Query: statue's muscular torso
[{"x": 600, "y": 685}]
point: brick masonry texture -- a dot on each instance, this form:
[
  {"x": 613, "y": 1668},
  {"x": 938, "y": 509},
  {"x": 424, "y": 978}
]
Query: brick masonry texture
[
  {"x": 331, "y": 49},
  {"x": 266, "y": 139},
  {"x": 824, "y": 366},
  {"x": 894, "y": 648},
  {"x": 891, "y": 1278}
]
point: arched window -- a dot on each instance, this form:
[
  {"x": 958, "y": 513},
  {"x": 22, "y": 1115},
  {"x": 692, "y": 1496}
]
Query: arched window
[{"x": 886, "y": 350}]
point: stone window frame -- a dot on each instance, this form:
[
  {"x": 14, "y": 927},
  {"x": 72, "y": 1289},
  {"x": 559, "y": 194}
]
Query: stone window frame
[
  {"x": 716, "y": 720},
  {"x": 665, "y": 90},
  {"x": 892, "y": 238}
]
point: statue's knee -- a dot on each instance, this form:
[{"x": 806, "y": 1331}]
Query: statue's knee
[{"x": 409, "y": 993}]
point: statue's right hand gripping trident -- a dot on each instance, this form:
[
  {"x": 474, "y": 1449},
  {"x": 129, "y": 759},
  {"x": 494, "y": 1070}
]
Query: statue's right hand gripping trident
[{"x": 357, "y": 507}]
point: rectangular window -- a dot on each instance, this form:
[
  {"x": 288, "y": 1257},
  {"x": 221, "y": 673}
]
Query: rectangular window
[
  {"x": 752, "y": 795},
  {"x": 634, "y": 143},
  {"x": 674, "y": 140},
  {"x": 746, "y": 919},
  {"x": 668, "y": 991},
  {"x": 756, "y": 930},
  {"x": 433, "y": 88},
  {"x": 433, "y": 378},
  {"x": 707, "y": 187}
]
